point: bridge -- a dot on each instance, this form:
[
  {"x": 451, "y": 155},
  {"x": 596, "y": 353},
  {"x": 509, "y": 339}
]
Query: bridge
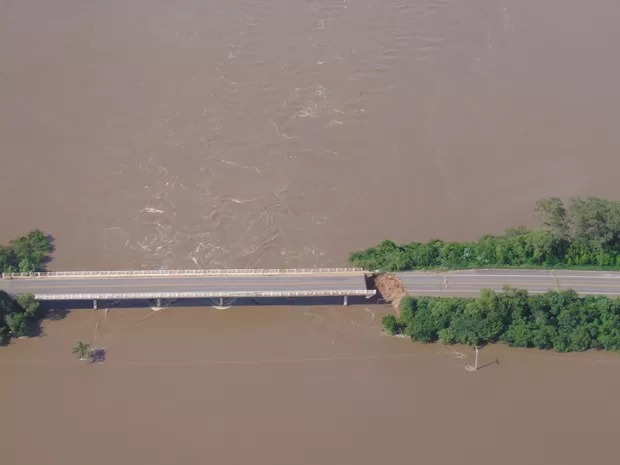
[
  {"x": 233, "y": 284},
  {"x": 186, "y": 284}
]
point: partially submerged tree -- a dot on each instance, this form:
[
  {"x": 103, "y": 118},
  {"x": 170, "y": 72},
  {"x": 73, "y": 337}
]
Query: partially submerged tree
[
  {"x": 29, "y": 304},
  {"x": 10, "y": 322},
  {"x": 26, "y": 253},
  {"x": 391, "y": 325},
  {"x": 18, "y": 324},
  {"x": 17, "y": 314},
  {"x": 83, "y": 351}
]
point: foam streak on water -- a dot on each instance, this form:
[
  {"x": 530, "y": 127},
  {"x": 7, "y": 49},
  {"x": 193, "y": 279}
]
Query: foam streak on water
[{"x": 286, "y": 133}]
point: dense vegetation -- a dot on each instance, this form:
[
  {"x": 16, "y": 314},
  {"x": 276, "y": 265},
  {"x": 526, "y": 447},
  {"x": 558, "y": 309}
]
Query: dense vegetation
[
  {"x": 26, "y": 253},
  {"x": 562, "y": 321},
  {"x": 17, "y": 314},
  {"x": 585, "y": 233}
]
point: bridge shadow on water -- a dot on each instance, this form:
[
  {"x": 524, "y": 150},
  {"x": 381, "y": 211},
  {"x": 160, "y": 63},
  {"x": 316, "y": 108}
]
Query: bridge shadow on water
[{"x": 58, "y": 310}]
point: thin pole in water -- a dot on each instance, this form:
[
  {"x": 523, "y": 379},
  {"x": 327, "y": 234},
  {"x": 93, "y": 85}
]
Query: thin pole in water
[{"x": 476, "y": 362}]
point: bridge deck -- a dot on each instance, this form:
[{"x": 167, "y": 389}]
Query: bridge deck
[{"x": 171, "y": 286}]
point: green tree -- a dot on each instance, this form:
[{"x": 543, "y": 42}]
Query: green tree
[
  {"x": 518, "y": 333},
  {"x": 17, "y": 324},
  {"x": 7, "y": 308},
  {"x": 423, "y": 326},
  {"x": 406, "y": 310},
  {"x": 552, "y": 214},
  {"x": 446, "y": 336},
  {"x": 390, "y": 324},
  {"x": 595, "y": 221},
  {"x": 8, "y": 260},
  {"x": 29, "y": 304},
  {"x": 16, "y": 313},
  {"x": 31, "y": 250},
  {"x": 82, "y": 351}
]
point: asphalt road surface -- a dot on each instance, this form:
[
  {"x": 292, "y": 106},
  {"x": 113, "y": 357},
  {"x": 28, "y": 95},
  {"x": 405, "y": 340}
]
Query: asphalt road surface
[
  {"x": 470, "y": 282},
  {"x": 47, "y": 288},
  {"x": 453, "y": 283}
]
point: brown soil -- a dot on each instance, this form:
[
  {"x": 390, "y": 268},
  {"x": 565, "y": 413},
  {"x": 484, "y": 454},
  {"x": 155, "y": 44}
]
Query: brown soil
[{"x": 390, "y": 287}]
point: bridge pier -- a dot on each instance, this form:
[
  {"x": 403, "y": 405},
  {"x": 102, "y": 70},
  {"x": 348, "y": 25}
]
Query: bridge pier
[
  {"x": 346, "y": 300},
  {"x": 158, "y": 303},
  {"x": 95, "y": 304},
  {"x": 221, "y": 301}
]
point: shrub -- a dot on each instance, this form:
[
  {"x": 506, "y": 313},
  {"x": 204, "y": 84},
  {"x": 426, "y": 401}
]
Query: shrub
[{"x": 391, "y": 325}]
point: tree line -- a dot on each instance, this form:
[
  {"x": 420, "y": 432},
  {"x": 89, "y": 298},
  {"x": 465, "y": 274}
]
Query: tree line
[
  {"x": 25, "y": 254},
  {"x": 582, "y": 233},
  {"x": 562, "y": 321}
]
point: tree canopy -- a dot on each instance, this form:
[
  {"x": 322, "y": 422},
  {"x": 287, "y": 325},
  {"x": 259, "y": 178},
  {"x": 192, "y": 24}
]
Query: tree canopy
[
  {"x": 584, "y": 233},
  {"x": 26, "y": 253},
  {"x": 16, "y": 314},
  {"x": 562, "y": 321}
]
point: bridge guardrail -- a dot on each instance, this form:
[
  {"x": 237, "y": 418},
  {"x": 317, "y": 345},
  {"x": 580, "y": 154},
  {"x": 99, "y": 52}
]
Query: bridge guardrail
[
  {"x": 207, "y": 272},
  {"x": 197, "y": 295}
]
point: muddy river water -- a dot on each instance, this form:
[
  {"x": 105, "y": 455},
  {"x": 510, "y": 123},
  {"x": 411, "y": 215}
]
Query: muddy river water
[
  {"x": 303, "y": 385},
  {"x": 287, "y": 133},
  {"x": 255, "y": 133}
]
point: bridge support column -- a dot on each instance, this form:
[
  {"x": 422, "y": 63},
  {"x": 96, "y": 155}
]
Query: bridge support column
[
  {"x": 221, "y": 301},
  {"x": 158, "y": 303},
  {"x": 346, "y": 300},
  {"x": 95, "y": 304}
]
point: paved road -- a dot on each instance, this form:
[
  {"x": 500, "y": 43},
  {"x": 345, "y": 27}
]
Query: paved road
[
  {"x": 470, "y": 282},
  {"x": 312, "y": 284},
  {"x": 455, "y": 283}
]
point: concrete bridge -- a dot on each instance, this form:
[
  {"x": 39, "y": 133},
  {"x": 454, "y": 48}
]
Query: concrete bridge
[
  {"x": 185, "y": 284},
  {"x": 232, "y": 284}
]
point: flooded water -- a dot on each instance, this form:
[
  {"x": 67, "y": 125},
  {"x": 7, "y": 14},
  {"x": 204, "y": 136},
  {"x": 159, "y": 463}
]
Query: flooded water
[
  {"x": 254, "y": 133},
  {"x": 305, "y": 386},
  {"x": 258, "y": 133}
]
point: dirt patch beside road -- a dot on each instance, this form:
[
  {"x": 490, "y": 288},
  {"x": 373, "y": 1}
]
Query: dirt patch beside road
[{"x": 390, "y": 287}]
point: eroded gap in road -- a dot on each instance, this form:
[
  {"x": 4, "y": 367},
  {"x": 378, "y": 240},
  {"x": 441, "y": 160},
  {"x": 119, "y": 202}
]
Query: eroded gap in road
[{"x": 389, "y": 287}]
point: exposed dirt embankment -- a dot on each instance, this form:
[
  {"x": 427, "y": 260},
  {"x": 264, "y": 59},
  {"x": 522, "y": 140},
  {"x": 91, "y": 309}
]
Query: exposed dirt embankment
[{"x": 389, "y": 286}]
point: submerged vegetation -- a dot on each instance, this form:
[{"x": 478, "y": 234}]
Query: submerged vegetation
[
  {"x": 26, "y": 253},
  {"x": 17, "y": 314},
  {"x": 584, "y": 233},
  {"x": 562, "y": 321},
  {"x": 82, "y": 351},
  {"x": 86, "y": 353}
]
